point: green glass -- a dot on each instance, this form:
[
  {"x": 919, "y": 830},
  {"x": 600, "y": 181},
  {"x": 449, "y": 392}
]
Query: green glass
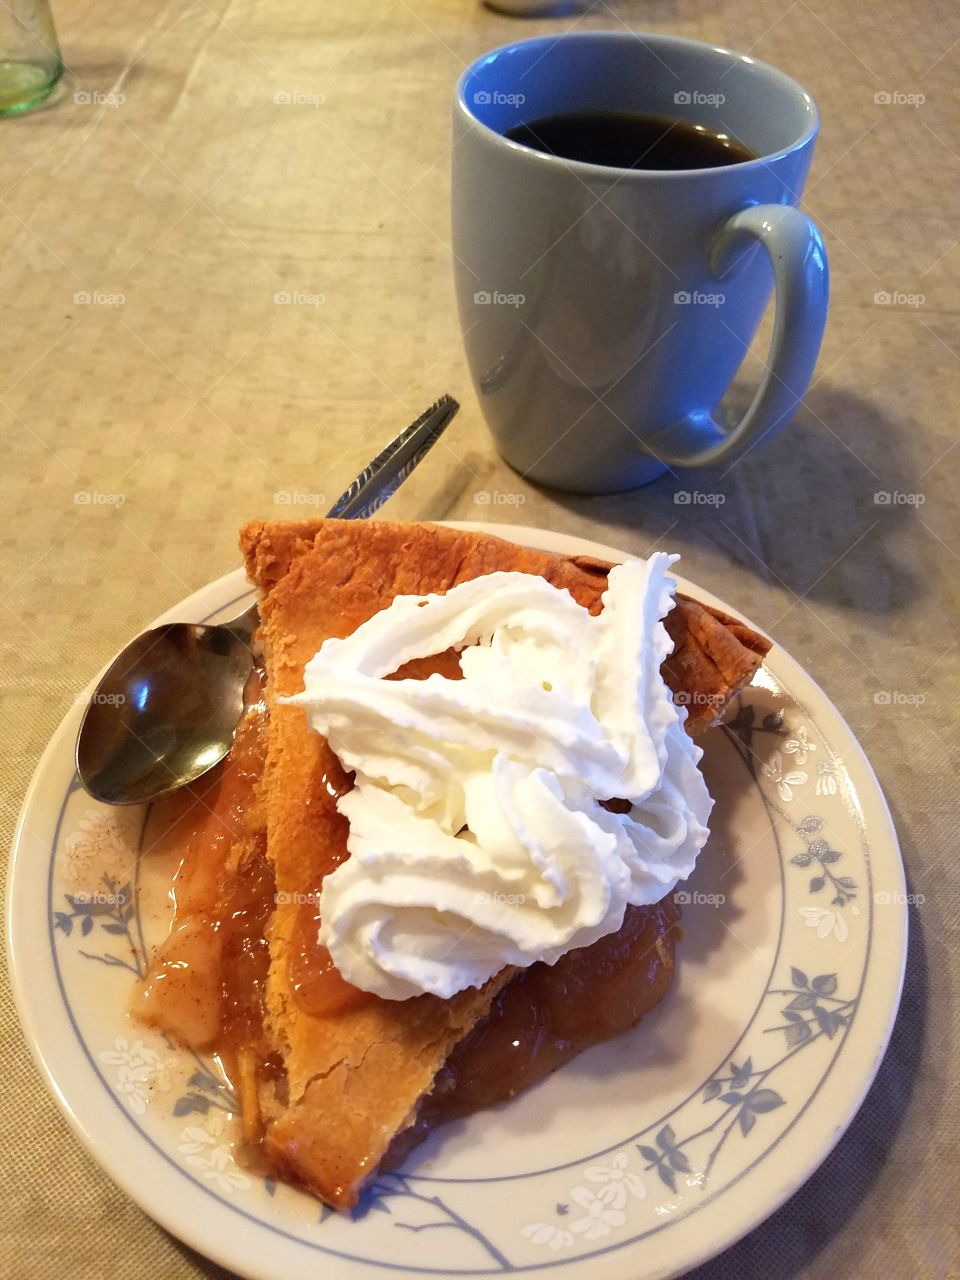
[{"x": 30, "y": 62}]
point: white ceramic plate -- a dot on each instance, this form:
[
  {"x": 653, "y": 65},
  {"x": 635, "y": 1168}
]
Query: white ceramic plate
[{"x": 642, "y": 1158}]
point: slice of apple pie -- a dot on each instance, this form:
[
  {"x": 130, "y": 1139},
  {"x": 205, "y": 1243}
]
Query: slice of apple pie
[{"x": 344, "y": 1058}]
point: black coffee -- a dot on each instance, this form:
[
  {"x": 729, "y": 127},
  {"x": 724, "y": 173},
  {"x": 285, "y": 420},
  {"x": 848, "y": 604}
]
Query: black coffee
[{"x": 631, "y": 140}]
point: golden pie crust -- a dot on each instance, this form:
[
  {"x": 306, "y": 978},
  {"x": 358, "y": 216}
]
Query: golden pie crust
[{"x": 353, "y": 1081}]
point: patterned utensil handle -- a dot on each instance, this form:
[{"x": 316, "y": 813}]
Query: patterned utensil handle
[{"x": 381, "y": 478}]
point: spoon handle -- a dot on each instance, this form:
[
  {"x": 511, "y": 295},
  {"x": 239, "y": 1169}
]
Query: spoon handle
[
  {"x": 381, "y": 478},
  {"x": 378, "y": 481}
]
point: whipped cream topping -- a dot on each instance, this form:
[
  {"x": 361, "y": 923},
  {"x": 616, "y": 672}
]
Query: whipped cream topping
[{"x": 478, "y": 837}]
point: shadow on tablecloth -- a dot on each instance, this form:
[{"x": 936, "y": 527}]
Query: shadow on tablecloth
[{"x": 818, "y": 511}]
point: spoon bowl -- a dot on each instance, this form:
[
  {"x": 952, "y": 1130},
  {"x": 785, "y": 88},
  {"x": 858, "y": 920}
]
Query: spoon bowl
[{"x": 164, "y": 712}]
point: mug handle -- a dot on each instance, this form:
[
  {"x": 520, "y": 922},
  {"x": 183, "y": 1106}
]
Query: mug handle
[{"x": 802, "y": 284}]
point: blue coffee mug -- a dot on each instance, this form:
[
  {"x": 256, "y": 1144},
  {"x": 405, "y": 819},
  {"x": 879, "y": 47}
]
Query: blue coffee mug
[{"x": 605, "y": 311}]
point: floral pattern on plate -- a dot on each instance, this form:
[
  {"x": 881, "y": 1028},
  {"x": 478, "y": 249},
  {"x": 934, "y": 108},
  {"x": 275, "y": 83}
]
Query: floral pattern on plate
[{"x": 612, "y": 1199}]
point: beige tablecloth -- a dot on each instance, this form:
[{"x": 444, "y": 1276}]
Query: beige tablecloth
[{"x": 180, "y": 197}]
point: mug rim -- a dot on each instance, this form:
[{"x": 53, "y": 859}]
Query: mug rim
[{"x": 656, "y": 38}]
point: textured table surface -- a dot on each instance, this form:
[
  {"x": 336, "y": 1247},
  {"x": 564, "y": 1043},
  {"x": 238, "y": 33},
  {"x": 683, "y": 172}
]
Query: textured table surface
[{"x": 170, "y": 187}]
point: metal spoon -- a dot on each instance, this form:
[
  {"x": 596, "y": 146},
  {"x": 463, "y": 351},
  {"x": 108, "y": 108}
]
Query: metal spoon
[{"x": 167, "y": 708}]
